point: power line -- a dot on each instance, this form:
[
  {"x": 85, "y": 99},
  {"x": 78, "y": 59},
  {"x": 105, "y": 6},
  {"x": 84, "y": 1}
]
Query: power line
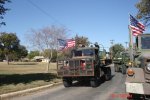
[
  {"x": 44, "y": 12},
  {"x": 112, "y": 42},
  {"x": 49, "y": 15}
]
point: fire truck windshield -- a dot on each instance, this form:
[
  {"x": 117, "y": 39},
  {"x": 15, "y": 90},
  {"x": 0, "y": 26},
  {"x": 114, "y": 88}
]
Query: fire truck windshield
[
  {"x": 84, "y": 52},
  {"x": 88, "y": 52}
]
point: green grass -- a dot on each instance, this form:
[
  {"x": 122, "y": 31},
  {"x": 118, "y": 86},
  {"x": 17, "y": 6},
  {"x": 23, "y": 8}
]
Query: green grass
[
  {"x": 24, "y": 75},
  {"x": 26, "y": 67}
]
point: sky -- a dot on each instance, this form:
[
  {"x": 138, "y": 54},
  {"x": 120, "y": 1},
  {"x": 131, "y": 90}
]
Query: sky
[{"x": 99, "y": 20}]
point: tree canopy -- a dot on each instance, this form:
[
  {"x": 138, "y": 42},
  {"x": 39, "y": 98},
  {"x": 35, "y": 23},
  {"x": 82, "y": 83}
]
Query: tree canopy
[
  {"x": 81, "y": 40},
  {"x": 10, "y": 46},
  {"x": 144, "y": 11},
  {"x": 3, "y": 10},
  {"x": 46, "y": 53},
  {"x": 8, "y": 42},
  {"x": 116, "y": 50},
  {"x": 21, "y": 51},
  {"x": 46, "y": 38},
  {"x": 32, "y": 54}
]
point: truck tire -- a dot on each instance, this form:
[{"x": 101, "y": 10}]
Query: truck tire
[
  {"x": 67, "y": 83},
  {"x": 108, "y": 74},
  {"x": 94, "y": 83}
]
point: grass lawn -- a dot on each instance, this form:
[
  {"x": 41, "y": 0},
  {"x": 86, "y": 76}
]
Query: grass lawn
[{"x": 24, "y": 75}]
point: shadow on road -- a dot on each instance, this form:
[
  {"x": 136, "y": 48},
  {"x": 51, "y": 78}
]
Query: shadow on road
[
  {"x": 81, "y": 84},
  {"x": 6, "y": 79},
  {"x": 112, "y": 76},
  {"x": 86, "y": 83}
]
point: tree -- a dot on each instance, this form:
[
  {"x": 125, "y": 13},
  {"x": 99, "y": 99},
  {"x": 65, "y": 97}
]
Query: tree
[
  {"x": 9, "y": 43},
  {"x": 144, "y": 11},
  {"x": 32, "y": 54},
  {"x": 46, "y": 52},
  {"x": 3, "y": 10},
  {"x": 81, "y": 40},
  {"x": 46, "y": 38},
  {"x": 116, "y": 50},
  {"x": 21, "y": 52},
  {"x": 67, "y": 53},
  {"x": 2, "y": 57}
]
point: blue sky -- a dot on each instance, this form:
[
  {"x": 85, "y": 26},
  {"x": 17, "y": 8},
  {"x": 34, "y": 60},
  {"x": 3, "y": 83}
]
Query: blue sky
[{"x": 99, "y": 20}]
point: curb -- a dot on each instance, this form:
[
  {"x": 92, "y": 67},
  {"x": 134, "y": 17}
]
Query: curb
[{"x": 12, "y": 94}]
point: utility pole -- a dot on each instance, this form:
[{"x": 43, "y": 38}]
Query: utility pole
[
  {"x": 112, "y": 42},
  {"x": 126, "y": 45}
]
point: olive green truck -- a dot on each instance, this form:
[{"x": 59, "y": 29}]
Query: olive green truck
[
  {"x": 84, "y": 64},
  {"x": 138, "y": 77}
]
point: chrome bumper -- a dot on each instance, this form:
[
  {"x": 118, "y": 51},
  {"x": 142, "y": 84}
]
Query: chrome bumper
[{"x": 138, "y": 88}]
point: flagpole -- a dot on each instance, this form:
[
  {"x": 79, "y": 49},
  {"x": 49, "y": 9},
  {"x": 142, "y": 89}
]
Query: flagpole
[
  {"x": 138, "y": 29},
  {"x": 130, "y": 43}
]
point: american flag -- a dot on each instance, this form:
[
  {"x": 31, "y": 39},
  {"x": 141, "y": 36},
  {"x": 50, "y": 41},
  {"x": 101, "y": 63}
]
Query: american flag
[
  {"x": 64, "y": 44},
  {"x": 70, "y": 43},
  {"x": 137, "y": 28}
]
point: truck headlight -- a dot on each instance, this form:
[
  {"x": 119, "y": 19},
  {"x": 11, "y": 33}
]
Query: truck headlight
[
  {"x": 148, "y": 66},
  {"x": 130, "y": 63},
  {"x": 130, "y": 72}
]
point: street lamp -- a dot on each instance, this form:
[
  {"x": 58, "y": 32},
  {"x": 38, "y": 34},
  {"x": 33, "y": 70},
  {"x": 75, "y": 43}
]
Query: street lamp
[{"x": 112, "y": 42}]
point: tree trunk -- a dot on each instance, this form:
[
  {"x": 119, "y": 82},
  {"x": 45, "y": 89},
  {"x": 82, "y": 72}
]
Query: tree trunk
[
  {"x": 7, "y": 58},
  {"x": 47, "y": 65},
  {"x": 49, "y": 61}
]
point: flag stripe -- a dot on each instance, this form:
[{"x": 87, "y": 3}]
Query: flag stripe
[
  {"x": 71, "y": 43},
  {"x": 137, "y": 27},
  {"x": 141, "y": 26},
  {"x": 65, "y": 44}
]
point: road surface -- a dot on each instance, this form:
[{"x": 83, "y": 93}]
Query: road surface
[{"x": 109, "y": 90}]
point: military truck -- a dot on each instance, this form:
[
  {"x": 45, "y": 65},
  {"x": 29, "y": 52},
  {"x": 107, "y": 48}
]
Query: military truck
[
  {"x": 122, "y": 62},
  {"x": 138, "y": 77},
  {"x": 84, "y": 64}
]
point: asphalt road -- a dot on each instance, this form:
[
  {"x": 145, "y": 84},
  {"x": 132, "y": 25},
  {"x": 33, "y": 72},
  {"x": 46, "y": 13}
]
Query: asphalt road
[{"x": 108, "y": 90}]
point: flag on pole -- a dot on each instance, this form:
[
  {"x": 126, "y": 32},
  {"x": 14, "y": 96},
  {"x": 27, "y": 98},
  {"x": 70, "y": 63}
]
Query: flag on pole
[
  {"x": 137, "y": 27},
  {"x": 62, "y": 43},
  {"x": 70, "y": 43},
  {"x": 65, "y": 44}
]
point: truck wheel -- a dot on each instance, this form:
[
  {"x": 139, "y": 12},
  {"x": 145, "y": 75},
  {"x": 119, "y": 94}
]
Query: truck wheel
[
  {"x": 94, "y": 83},
  {"x": 123, "y": 69},
  {"x": 67, "y": 83},
  {"x": 108, "y": 74}
]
